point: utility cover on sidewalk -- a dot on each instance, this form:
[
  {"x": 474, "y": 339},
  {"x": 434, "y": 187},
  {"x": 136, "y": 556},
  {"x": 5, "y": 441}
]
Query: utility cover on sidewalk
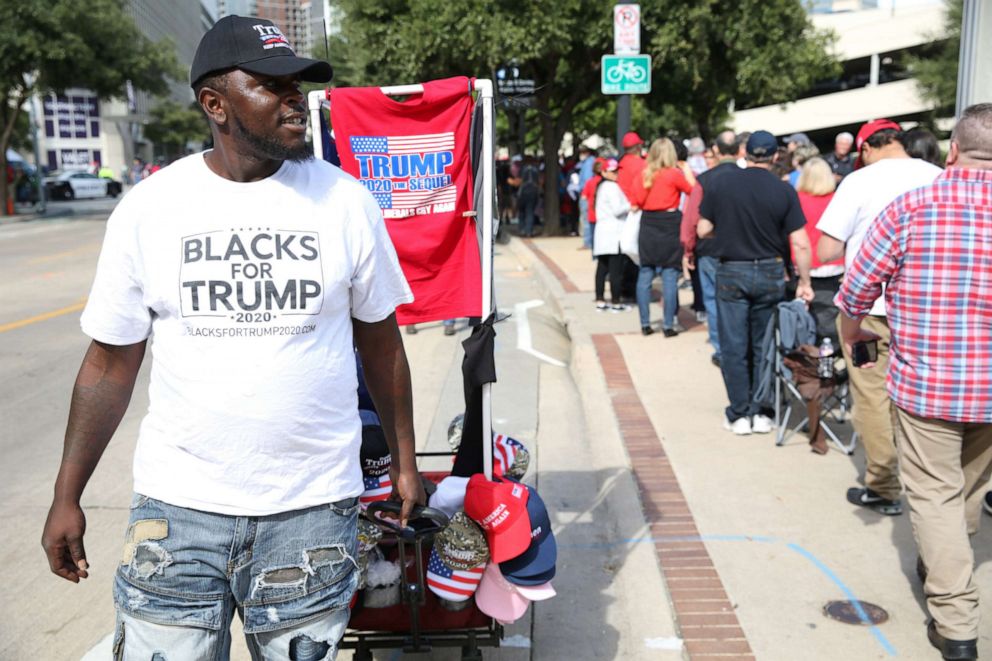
[{"x": 847, "y": 612}]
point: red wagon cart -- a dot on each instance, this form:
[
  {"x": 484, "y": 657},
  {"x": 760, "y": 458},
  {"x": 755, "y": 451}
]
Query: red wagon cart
[{"x": 421, "y": 620}]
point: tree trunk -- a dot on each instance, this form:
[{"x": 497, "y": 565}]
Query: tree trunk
[
  {"x": 4, "y": 187},
  {"x": 550, "y": 142}
]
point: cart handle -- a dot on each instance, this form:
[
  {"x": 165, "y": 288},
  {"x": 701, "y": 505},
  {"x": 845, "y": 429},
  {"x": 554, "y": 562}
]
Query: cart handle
[{"x": 430, "y": 520}]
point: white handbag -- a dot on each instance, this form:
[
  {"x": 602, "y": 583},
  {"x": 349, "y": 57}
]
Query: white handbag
[{"x": 629, "y": 236}]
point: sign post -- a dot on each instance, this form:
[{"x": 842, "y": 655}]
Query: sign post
[
  {"x": 626, "y": 29},
  {"x": 622, "y": 74},
  {"x": 625, "y": 74}
]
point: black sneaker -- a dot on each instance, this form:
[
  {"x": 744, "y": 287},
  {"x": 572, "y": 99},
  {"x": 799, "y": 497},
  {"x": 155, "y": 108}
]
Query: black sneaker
[
  {"x": 987, "y": 503},
  {"x": 870, "y": 499},
  {"x": 669, "y": 332},
  {"x": 647, "y": 330},
  {"x": 952, "y": 650}
]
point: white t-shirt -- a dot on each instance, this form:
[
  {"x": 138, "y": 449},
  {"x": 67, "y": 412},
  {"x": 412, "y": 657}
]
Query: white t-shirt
[
  {"x": 247, "y": 290},
  {"x": 863, "y": 195}
]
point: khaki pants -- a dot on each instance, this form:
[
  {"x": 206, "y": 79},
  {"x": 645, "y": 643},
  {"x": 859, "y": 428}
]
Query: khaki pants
[
  {"x": 946, "y": 468},
  {"x": 872, "y": 414}
]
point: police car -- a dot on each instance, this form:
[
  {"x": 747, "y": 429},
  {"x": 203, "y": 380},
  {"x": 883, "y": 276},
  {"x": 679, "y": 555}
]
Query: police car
[{"x": 76, "y": 185}]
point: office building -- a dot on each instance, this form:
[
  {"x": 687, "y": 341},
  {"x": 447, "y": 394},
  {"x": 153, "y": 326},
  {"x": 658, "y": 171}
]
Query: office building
[{"x": 874, "y": 43}]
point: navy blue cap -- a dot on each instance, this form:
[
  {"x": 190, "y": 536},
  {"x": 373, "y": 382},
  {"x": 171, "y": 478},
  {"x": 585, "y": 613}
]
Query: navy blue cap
[
  {"x": 762, "y": 144},
  {"x": 375, "y": 456},
  {"x": 536, "y": 579},
  {"x": 536, "y": 565}
]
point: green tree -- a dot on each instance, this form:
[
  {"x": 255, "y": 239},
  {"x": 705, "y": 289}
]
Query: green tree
[
  {"x": 706, "y": 53},
  {"x": 936, "y": 70},
  {"x": 173, "y": 125},
  {"x": 49, "y": 45}
]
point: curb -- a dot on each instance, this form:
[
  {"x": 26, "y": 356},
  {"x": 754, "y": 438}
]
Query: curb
[
  {"x": 28, "y": 217},
  {"x": 601, "y": 419}
]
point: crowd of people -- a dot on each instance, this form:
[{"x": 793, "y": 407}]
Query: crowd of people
[{"x": 889, "y": 245}]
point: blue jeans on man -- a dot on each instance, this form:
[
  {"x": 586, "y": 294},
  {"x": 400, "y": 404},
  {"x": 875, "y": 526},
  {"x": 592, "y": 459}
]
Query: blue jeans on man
[
  {"x": 747, "y": 293},
  {"x": 669, "y": 294},
  {"x": 184, "y": 573},
  {"x": 706, "y": 266},
  {"x": 527, "y": 204}
]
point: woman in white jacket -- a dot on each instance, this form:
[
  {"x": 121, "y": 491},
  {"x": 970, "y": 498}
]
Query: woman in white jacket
[{"x": 612, "y": 207}]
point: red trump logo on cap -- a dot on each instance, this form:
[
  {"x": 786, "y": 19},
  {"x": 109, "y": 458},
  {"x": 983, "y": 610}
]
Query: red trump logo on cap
[{"x": 500, "y": 507}]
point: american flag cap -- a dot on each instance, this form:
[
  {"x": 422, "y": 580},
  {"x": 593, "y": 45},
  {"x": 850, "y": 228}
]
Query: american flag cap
[
  {"x": 452, "y": 584},
  {"x": 376, "y": 489},
  {"x": 510, "y": 457}
]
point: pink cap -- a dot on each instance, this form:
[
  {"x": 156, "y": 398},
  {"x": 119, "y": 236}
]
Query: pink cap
[
  {"x": 498, "y": 598},
  {"x": 535, "y": 592}
]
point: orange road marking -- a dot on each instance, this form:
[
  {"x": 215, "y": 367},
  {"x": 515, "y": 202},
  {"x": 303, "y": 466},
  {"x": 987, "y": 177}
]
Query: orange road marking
[{"x": 13, "y": 325}]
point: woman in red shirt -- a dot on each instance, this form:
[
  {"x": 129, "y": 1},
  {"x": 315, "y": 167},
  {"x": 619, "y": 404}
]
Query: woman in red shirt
[
  {"x": 589, "y": 194},
  {"x": 816, "y": 189},
  {"x": 658, "y": 194}
]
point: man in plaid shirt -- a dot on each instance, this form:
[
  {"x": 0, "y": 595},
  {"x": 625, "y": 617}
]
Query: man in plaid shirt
[{"x": 932, "y": 247}]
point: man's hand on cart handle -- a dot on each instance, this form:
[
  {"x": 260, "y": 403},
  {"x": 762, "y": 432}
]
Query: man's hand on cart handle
[{"x": 409, "y": 490}]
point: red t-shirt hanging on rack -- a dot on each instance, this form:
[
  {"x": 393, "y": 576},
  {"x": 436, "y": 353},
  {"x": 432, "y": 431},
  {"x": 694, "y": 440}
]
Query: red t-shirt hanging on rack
[{"x": 413, "y": 156}]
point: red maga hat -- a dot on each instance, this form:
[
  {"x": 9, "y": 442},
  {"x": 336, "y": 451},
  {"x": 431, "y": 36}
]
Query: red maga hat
[
  {"x": 631, "y": 139},
  {"x": 869, "y": 129},
  {"x": 500, "y": 507}
]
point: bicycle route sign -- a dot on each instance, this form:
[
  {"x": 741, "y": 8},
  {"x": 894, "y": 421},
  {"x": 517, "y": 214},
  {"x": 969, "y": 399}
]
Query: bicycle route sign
[{"x": 626, "y": 74}]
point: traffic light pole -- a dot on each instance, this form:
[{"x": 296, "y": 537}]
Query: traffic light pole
[{"x": 623, "y": 118}]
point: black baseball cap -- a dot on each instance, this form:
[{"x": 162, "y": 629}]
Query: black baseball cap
[
  {"x": 761, "y": 144},
  {"x": 255, "y": 45}
]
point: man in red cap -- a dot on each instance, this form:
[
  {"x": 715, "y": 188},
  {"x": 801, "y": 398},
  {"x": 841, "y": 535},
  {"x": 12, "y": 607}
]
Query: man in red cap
[
  {"x": 631, "y": 164},
  {"x": 883, "y": 172}
]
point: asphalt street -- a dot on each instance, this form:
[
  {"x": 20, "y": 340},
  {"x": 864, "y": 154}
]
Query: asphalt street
[{"x": 47, "y": 267}]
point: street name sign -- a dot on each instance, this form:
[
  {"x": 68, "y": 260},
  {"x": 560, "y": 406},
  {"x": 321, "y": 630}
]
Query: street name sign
[
  {"x": 626, "y": 74},
  {"x": 626, "y": 29}
]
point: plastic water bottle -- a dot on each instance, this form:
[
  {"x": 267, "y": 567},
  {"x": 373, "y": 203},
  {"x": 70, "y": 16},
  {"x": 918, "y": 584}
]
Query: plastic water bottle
[{"x": 825, "y": 366}]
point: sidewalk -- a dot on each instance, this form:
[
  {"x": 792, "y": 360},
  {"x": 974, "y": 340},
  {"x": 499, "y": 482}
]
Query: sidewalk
[
  {"x": 753, "y": 540},
  {"x": 26, "y": 213}
]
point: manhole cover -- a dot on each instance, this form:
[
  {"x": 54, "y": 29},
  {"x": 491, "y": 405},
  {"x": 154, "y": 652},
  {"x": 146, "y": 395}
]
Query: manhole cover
[{"x": 855, "y": 612}]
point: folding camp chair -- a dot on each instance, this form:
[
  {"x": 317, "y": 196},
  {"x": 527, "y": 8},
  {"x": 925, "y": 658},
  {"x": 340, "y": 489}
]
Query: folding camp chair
[{"x": 823, "y": 403}]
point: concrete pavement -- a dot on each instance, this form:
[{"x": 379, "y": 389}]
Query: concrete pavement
[{"x": 753, "y": 539}]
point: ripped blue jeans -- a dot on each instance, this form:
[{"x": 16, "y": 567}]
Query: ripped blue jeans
[{"x": 184, "y": 573}]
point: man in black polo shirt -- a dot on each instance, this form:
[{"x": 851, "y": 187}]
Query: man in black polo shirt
[
  {"x": 699, "y": 253},
  {"x": 754, "y": 217}
]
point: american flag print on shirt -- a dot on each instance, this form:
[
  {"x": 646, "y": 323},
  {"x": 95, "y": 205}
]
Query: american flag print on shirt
[
  {"x": 376, "y": 488},
  {"x": 452, "y": 584},
  {"x": 406, "y": 172}
]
